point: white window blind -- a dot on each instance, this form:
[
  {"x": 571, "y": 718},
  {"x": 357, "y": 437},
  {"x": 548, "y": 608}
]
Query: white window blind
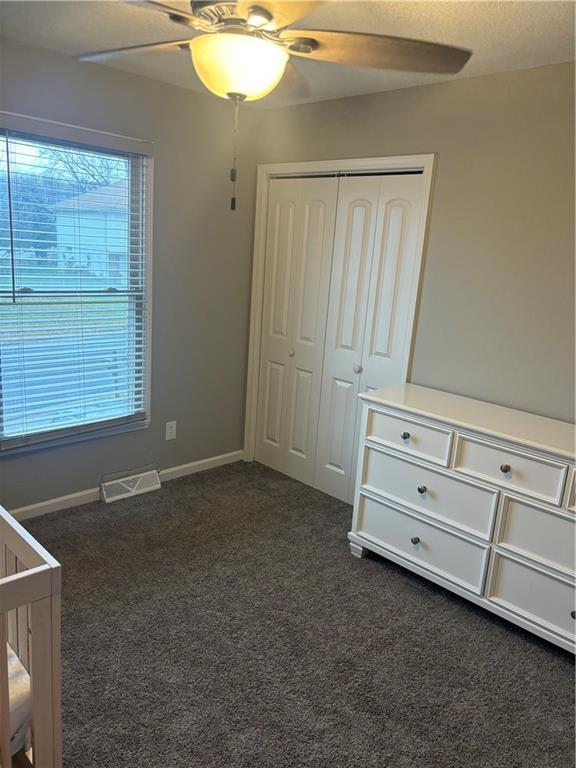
[{"x": 73, "y": 308}]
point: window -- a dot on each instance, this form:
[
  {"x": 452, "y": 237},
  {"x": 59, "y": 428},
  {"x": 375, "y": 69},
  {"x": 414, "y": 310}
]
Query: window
[{"x": 73, "y": 309}]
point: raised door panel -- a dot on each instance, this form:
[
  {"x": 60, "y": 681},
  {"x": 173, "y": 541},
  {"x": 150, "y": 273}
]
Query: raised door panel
[
  {"x": 353, "y": 248},
  {"x": 281, "y": 256},
  {"x": 300, "y": 412},
  {"x": 273, "y": 397},
  {"x": 312, "y": 270},
  {"x": 297, "y": 276},
  {"x": 341, "y": 403},
  {"x": 390, "y": 302},
  {"x": 389, "y": 263},
  {"x": 353, "y": 269}
]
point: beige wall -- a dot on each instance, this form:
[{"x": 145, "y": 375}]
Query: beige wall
[
  {"x": 496, "y": 318},
  {"x": 496, "y": 315},
  {"x": 202, "y": 265}
]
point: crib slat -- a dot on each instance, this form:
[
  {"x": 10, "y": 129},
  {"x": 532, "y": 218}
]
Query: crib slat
[
  {"x": 42, "y": 684},
  {"x": 22, "y": 625},
  {"x": 5, "y": 751},
  {"x": 12, "y": 615},
  {"x": 57, "y": 679}
]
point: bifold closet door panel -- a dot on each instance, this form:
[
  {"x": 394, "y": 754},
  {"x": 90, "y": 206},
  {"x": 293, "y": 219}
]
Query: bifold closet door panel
[
  {"x": 376, "y": 253},
  {"x": 388, "y": 328},
  {"x": 300, "y": 231},
  {"x": 355, "y": 233},
  {"x": 393, "y": 279}
]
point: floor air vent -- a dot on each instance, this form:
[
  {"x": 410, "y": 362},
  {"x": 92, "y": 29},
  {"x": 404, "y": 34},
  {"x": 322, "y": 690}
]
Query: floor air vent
[{"x": 115, "y": 488}]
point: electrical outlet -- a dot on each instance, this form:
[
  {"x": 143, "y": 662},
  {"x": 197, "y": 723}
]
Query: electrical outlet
[{"x": 170, "y": 430}]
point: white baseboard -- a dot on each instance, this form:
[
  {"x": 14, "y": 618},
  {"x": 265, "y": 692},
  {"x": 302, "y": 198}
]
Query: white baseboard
[
  {"x": 93, "y": 494},
  {"x": 199, "y": 466},
  {"x": 53, "y": 505}
]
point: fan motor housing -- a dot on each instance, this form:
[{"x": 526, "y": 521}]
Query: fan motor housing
[{"x": 213, "y": 11}]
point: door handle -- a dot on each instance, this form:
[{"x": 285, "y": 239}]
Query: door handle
[
  {"x": 291, "y": 353},
  {"x": 357, "y": 369}
]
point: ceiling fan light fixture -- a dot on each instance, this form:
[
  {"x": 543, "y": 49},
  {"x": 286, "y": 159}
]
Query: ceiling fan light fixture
[{"x": 242, "y": 65}]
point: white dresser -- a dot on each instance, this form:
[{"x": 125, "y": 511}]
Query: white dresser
[{"x": 475, "y": 497}]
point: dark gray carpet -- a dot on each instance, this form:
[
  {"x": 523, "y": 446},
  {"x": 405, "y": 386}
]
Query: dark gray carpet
[{"x": 222, "y": 623}]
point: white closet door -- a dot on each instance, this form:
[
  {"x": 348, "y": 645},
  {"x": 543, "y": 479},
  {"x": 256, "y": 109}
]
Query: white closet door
[
  {"x": 299, "y": 242},
  {"x": 384, "y": 312},
  {"x": 349, "y": 289}
]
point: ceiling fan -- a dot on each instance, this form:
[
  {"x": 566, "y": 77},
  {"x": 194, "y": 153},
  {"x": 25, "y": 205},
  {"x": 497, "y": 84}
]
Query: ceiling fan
[{"x": 240, "y": 48}]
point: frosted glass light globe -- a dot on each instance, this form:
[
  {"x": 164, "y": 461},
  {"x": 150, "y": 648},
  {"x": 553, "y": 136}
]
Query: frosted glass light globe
[{"x": 228, "y": 63}]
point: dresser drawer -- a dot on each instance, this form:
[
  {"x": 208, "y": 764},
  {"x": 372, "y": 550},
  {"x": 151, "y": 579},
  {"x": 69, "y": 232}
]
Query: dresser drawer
[
  {"x": 535, "y": 531},
  {"x": 449, "y": 498},
  {"x": 410, "y": 436},
  {"x": 535, "y": 595},
  {"x": 445, "y": 553},
  {"x": 527, "y": 473}
]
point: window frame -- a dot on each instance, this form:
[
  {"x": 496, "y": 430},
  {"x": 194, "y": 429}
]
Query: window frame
[{"x": 39, "y": 130}]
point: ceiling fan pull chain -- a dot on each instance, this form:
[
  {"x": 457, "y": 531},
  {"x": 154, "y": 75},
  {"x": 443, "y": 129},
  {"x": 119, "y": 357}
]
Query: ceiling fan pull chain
[{"x": 236, "y": 98}]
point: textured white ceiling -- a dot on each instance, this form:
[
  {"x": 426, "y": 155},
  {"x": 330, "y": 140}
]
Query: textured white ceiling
[{"x": 504, "y": 35}]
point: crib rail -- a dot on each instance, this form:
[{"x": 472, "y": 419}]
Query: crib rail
[{"x": 30, "y": 584}]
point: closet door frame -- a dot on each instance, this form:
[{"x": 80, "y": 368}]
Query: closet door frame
[{"x": 424, "y": 164}]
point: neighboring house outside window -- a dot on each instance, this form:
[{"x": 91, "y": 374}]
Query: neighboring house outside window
[
  {"x": 96, "y": 225},
  {"x": 74, "y": 335}
]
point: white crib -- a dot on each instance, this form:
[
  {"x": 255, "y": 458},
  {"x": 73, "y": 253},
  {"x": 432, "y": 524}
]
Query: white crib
[{"x": 30, "y": 723}]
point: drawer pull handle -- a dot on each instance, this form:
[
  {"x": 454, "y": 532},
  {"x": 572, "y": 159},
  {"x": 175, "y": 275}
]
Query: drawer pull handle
[
  {"x": 405, "y": 435},
  {"x": 415, "y": 540},
  {"x": 422, "y": 489},
  {"x": 573, "y": 614},
  {"x": 505, "y": 468}
]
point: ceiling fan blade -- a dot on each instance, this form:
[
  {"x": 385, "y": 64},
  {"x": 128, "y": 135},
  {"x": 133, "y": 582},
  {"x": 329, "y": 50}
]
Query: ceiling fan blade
[
  {"x": 145, "y": 48},
  {"x": 378, "y": 51},
  {"x": 175, "y": 14},
  {"x": 283, "y": 12}
]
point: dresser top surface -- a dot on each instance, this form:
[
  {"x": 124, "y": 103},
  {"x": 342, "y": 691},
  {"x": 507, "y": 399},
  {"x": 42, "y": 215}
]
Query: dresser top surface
[{"x": 496, "y": 420}]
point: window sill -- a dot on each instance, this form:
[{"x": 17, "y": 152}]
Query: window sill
[{"x": 79, "y": 437}]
